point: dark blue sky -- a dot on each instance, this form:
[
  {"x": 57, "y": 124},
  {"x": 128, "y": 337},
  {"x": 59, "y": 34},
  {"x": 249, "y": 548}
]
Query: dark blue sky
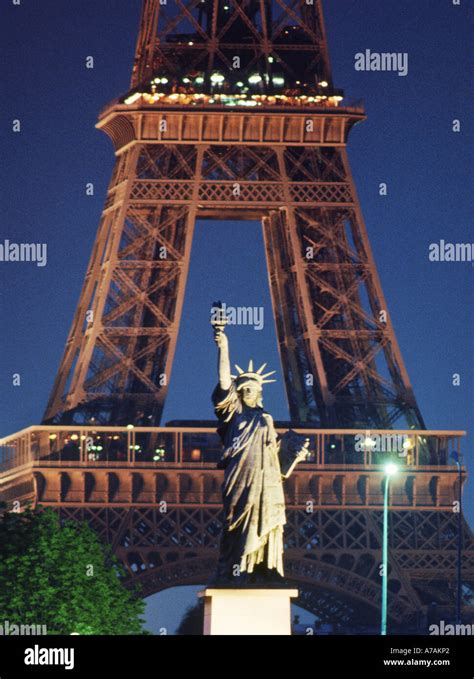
[{"x": 407, "y": 142}]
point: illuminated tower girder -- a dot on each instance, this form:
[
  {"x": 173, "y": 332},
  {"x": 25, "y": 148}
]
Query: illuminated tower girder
[{"x": 233, "y": 114}]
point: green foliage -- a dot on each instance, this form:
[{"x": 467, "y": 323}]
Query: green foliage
[{"x": 62, "y": 576}]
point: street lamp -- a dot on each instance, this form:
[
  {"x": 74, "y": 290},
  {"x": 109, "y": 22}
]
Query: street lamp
[
  {"x": 458, "y": 460},
  {"x": 390, "y": 470}
]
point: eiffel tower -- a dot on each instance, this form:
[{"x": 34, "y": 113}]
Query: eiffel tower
[{"x": 233, "y": 114}]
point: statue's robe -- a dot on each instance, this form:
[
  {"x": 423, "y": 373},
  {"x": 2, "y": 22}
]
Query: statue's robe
[{"x": 253, "y": 498}]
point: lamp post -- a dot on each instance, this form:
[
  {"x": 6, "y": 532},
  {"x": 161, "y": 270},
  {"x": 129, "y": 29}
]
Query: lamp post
[
  {"x": 458, "y": 460},
  {"x": 390, "y": 470}
]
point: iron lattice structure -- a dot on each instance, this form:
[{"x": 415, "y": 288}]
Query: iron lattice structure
[
  {"x": 232, "y": 114},
  {"x": 187, "y": 147},
  {"x": 332, "y": 556},
  {"x": 282, "y": 37}
]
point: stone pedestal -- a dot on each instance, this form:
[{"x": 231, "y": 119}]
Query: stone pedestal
[{"x": 247, "y": 611}]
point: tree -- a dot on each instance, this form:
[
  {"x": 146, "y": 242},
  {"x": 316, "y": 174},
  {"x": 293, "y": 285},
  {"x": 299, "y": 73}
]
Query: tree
[{"x": 61, "y": 575}]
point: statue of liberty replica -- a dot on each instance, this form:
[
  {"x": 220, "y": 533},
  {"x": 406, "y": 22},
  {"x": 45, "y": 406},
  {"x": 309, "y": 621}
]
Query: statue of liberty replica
[{"x": 255, "y": 462}]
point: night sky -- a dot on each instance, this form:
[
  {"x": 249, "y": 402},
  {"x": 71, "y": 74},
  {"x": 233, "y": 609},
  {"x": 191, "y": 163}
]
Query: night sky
[{"x": 407, "y": 142}]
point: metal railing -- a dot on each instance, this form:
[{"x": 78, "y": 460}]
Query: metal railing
[
  {"x": 356, "y": 106},
  {"x": 89, "y": 445}
]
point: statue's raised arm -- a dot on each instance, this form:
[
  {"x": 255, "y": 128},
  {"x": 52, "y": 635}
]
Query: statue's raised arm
[{"x": 218, "y": 322}]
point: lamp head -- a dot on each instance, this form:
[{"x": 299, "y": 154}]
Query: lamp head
[{"x": 390, "y": 469}]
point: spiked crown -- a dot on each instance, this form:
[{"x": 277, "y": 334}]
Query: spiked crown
[{"x": 244, "y": 376}]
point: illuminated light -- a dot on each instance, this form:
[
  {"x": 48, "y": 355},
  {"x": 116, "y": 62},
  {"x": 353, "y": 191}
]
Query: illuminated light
[
  {"x": 137, "y": 447},
  {"x": 390, "y": 469},
  {"x": 298, "y": 82},
  {"x": 407, "y": 444},
  {"x": 74, "y": 437},
  {"x": 338, "y": 97},
  {"x": 240, "y": 84},
  {"x": 278, "y": 80},
  {"x": 132, "y": 98},
  {"x": 99, "y": 448},
  {"x": 217, "y": 78},
  {"x": 323, "y": 83},
  {"x": 271, "y": 60},
  {"x": 190, "y": 43},
  {"x": 255, "y": 78},
  {"x": 186, "y": 80},
  {"x": 83, "y": 438},
  {"x": 226, "y": 7},
  {"x": 199, "y": 80},
  {"x": 333, "y": 445},
  {"x": 369, "y": 443},
  {"x": 116, "y": 437},
  {"x": 53, "y": 437},
  {"x": 196, "y": 455},
  {"x": 129, "y": 426},
  {"x": 157, "y": 80},
  {"x": 159, "y": 454}
]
